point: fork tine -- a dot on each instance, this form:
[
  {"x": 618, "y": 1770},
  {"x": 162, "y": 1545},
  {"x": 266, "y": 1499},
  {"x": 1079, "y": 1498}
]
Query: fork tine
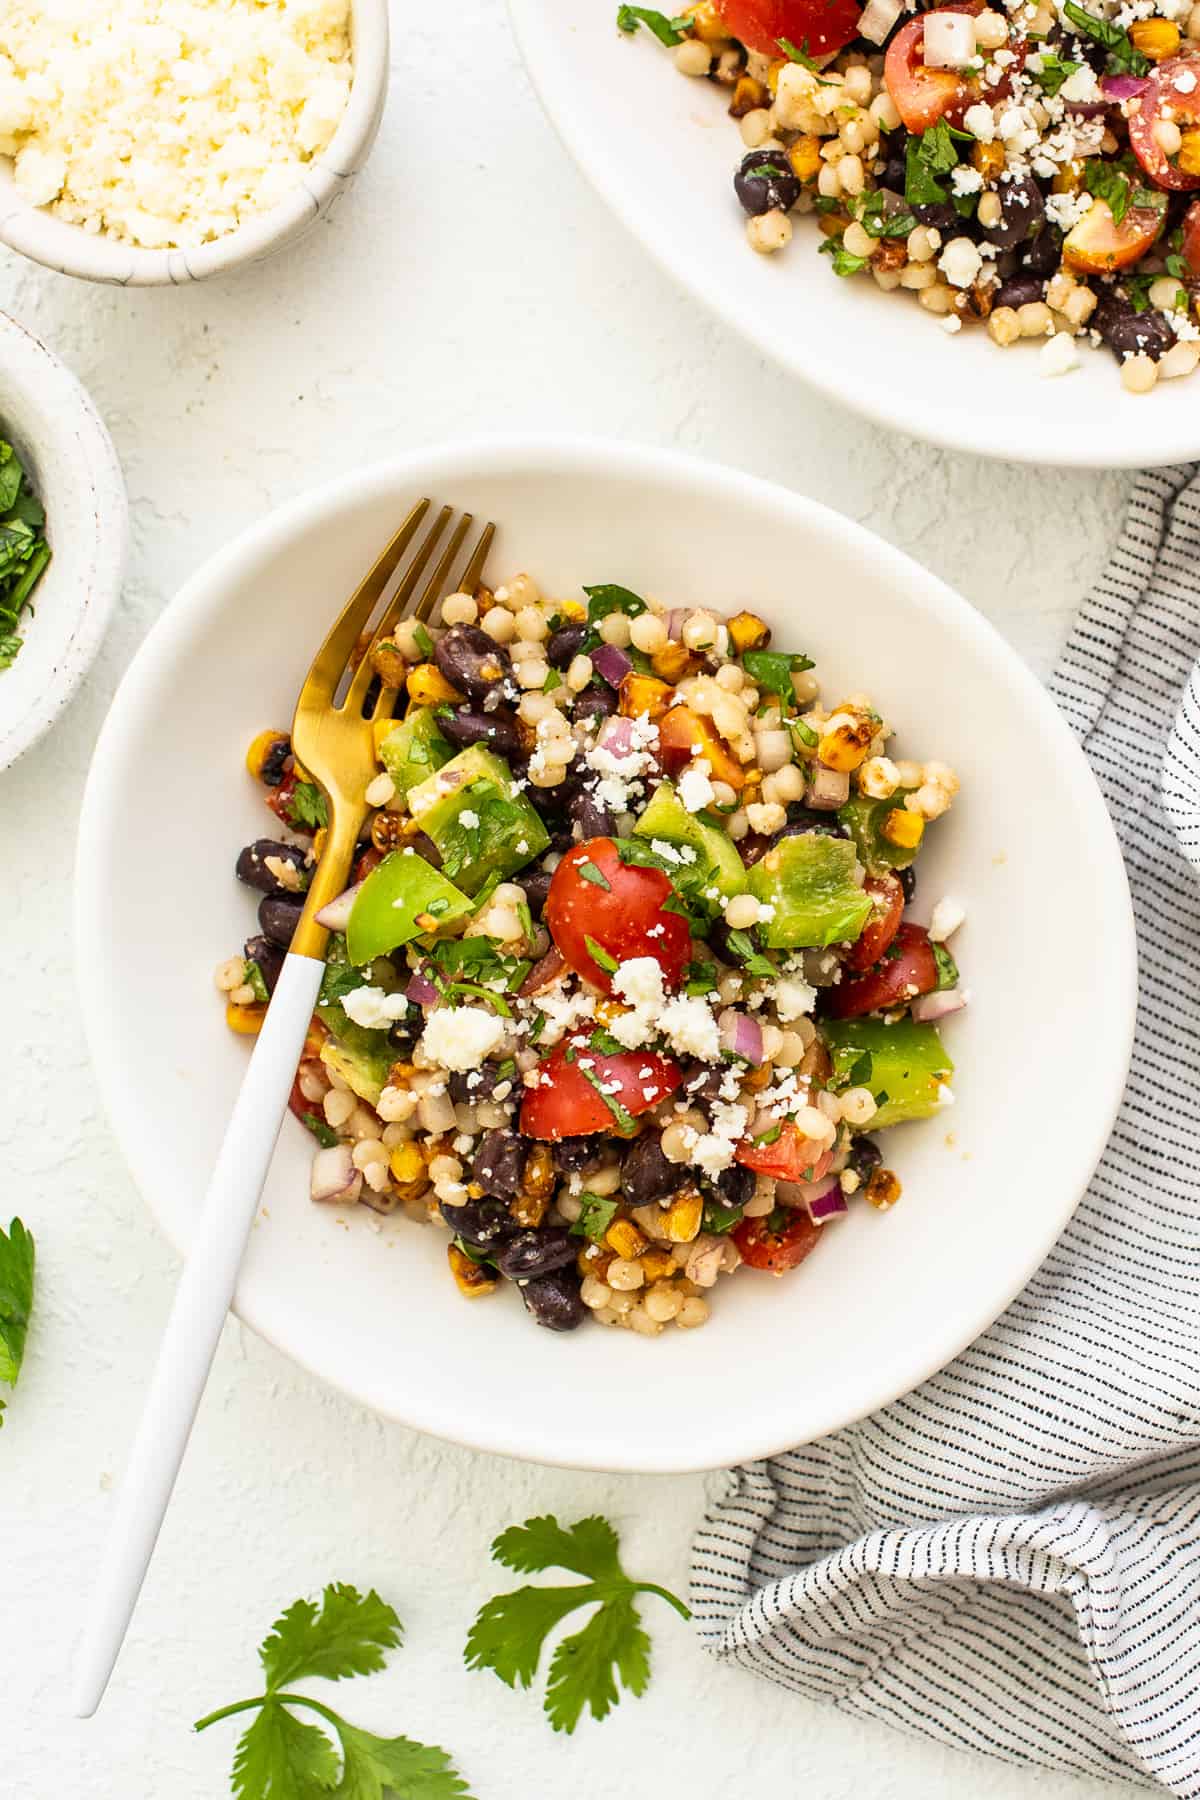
[
  {"x": 439, "y": 583},
  {"x": 398, "y": 607},
  {"x": 472, "y": 575},
  {"x": 329, "y": 663}
]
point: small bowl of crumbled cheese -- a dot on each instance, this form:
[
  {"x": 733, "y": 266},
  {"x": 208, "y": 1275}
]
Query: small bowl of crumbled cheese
[{"x": 164, "y": 141}]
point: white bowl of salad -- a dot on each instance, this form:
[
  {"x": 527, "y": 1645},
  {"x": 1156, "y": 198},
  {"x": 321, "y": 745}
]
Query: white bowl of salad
[
  {"x": 977, "y": 224},
  {"x": 648, "y": 1161}
]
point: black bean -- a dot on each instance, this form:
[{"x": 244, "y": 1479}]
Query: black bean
[
  {"x": 573, "y": 1154},
  {"x": 498, "y": 730},
  {"x": 1145, "y": 333},
  {"x": 1020, "y": 290},
  {"x": 1022, "y": 213},
  {"x": 500, "y": 1163},
  {"x": 268, "y": 956},
  {"x": 565, "y": 644},
  {"x": 274, "y": 763},
  {"x": 553, "y": 1300},
  {"x": 481, "y": 1223},
  {"x": 908, "y": 881},
  {"x": 472, "y": 661},
  {"x": 595, "y": 703},
  {"x": 942, "y": 217},
  {"x": 591, "y": 815},
  {"x": 1044, "y": 253},
  {"x": 532, "y": 1253},
  {"x": 251, "y": 865},
  {"x": 702, "y": 1083},
  {"x": 865, "y": 1155},
  {"x": 735, "y": 1185},
  {"x": 766, "y": 182},
  {"x": 279, "y": 915},
  {"x": 895, "y": 170},
  {"x": 646, "y": 1174},
  {"x": 536, "y": 886},
  {"x": 424, "y": 846}
]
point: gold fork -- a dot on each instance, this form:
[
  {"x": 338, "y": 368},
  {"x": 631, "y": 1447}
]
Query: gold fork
[{"x": 335, "y": 742}]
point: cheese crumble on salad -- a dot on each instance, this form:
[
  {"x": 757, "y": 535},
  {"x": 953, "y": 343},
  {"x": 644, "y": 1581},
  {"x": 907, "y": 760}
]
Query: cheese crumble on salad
[
  {"x": 1026, "y": 166},
  {"x": 624, "y": 987}
]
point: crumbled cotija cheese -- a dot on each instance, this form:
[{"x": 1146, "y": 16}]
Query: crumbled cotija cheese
[{"x": 168, "y": 123}]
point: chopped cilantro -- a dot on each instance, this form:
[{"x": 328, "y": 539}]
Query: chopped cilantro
[
  {"x": 771, "y": 671},
  {"x": 700, "y": 978},
  {"x": 668, "y": 31},
  {"x": 860, "y": 1070},
  {"x": 326, "y": 1137},
  {"x": 590, "y": 872},
  {"x": 752, "y": 959},
  {"x": 422, "y": 640},
  {"x": 308, "y": 806},
  {"x": 802, "y": 57},
  {"x": 608, "y": 598},
  {"x": 720, "y": 1219},
  {"x": 605, "y": 1044},
  {"x": 536, "y": 1026},
  {"x": 624, "y": 1121},
  {"x": 254, "y": 979},
  {"x": 803, "y": 733},
  {"x": 1123, "y": 59},
  {"x": 1053, "y": 72},
  {"x": 597, "y": 1215},
  {"x": 600, "y": 955},
  {"x": 844, "y": 261},
  {"x": 868, "y": 209},
  {"x": 771, "y": 1136},
  {"x": 947, "y": 970}
]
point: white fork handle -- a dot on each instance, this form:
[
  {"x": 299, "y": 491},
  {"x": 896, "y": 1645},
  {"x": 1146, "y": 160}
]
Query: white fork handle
[{"x": 189, "y": 1343}]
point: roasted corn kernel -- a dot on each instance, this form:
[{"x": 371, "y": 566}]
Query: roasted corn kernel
[
  {"x": 624, "y": 1239},
  {"x": 407, "y": 1163},
  {"x": 673, "y": 662},
  {"x": 469, "y": 1278},
  {"x": 388, "y": 831},
  {"x": 748, "y": 96},
  {"x": 883, "y": 1189},
  {"x": 706, "y": 23},
  {"x": 845, "y": 747},
  {"x": 903, "y": 828},
  {"x": 593, "y": 1259},
  {"x": 988, "y": 158},
  {"x": 681, "y": 1221},
  {"x": 427, "y": 686},
  {"x": 247, "y": 1021},
  {"x": 1155, "y": 38},
  {"x": 657, "y": 1264},
  {"x": 644, "y": 694},
  {"x": 267, "y": 754},
  {"x": 389, "y": 664},
  {"x": 538, "y": 1179},
  {"x": 805, "y": 158}
]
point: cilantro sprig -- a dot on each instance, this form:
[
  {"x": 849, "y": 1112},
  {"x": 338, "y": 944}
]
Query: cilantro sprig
[
  {"x": 1117, "y": 183},
  {"x": 590, "y": 1667},
  {"x": 24, "y": 552},
  {"x": 667, "y": 31},
  {"x": 17, "y": 1262},
  {"x": 281, "y": 1757}
]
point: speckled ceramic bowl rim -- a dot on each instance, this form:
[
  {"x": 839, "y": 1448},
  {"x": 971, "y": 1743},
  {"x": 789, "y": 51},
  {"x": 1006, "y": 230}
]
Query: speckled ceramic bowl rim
[
  {"x": 68, "y": 249},
  {"x": 69, "y": 428}
]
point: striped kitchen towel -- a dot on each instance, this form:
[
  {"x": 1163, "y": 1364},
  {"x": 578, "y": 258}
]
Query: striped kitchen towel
[{"x": 1008, "y": 1559}]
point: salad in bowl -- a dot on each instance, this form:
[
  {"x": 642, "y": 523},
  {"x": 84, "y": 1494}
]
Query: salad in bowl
[
  {"x": 1027, "y": 169},
  {"x": 623, "y": 993}
]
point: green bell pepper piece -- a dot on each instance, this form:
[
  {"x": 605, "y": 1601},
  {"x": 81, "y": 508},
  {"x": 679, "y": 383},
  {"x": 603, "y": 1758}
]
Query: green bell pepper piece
[
  {"x": 863, "y": 818},
  {"x": 402, "y": 891},
  {"x": 902, "y": 1064},
  {"x": 414, "y": 750},
  {"x": 809, "y": 880}
]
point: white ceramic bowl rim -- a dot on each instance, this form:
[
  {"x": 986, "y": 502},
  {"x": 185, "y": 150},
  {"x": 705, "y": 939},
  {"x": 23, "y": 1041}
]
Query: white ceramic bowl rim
[
  {"x": 79, "y": 481},
  {"x": 737, "y": 1435},
  {"x": 841, "y": 339},
  {"x": 37, "y": 233}
]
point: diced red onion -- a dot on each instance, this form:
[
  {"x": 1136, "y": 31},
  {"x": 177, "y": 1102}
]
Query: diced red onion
[
  {"x": 334, "y": 1176},
  {"x": 825, "y": 1200},
  {"x": 877, "y": 19},
  {"x": 421, "y": 990},
  {"x": 612, "y": 663},
  {"x": 929, "y": 1007},
  {"x": 828, "y": 789},
  {"x": 616, "y": 736},
  {"x": 741, "y": 1036},
  {"x": 1123, "y": 87},
  {"x": 674, "y": 623},
  {"x": 1087, "y": 109},
  {"x": 336, "y": 916}
]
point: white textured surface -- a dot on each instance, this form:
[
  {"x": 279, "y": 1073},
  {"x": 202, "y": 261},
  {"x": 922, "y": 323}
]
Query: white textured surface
[{"x": 471, "y": 281}]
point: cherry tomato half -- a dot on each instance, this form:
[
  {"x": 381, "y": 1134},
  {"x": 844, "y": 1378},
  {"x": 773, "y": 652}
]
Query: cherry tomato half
[
  {"x": 923, "y": 95},
  {"x": 776, "y": 1251},
  {"x": 568, "y": 1102},
  {"x": 1184, "y": 103},
  {"x": 790, "y": 1157},
  {"x": 1190, "y": 238},
  {"x": 907, "y": 970},
  {"x": 824, "y": 25},
  {"x": 1098, "y": 245},
  {"x": 620, "y": 907},
  {"x": 887, "y": 898}
]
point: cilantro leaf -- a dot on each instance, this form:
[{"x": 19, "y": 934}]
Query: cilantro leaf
[
  {"x": 845, "y": 262},
  {"x": 771, "y": 671},
  {"x": 608, "y": 598},
  {"x": 346, "y": 1636},
  {"x": 720, "y": 1219},
  {"x": 1123, "y": 59},
  {"x": 667, "y": 31},
  {"x": 869, "y": 210},
  {"x": 324, "y": 1134},
  {"x": 24, "y": 552},
  {"x": 600, "y": 956},
  {"x": 598, "y": 1214},
  {"x": 280, "y": 1757},
  {"x": 947, "y": 970},
  {"x": 624, "y": 1121},
  {"x": 308, "y": 805},
  {"x": 1104, "y": 181},
  {"x": 1053, "y": 71},
  {"x": 597, "y": 877},
  {"x": 752, "y": 959},
  {"x": 803, "y": 57},
  {"x": 590, "y": 1667},
  {"x": 283, "y": 1758},
  {"x": 17, "y": 1259}
]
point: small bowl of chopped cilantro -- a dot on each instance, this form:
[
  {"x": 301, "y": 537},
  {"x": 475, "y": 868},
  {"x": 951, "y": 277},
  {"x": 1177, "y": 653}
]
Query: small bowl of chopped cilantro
[{"x": 63, "y": 529}]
